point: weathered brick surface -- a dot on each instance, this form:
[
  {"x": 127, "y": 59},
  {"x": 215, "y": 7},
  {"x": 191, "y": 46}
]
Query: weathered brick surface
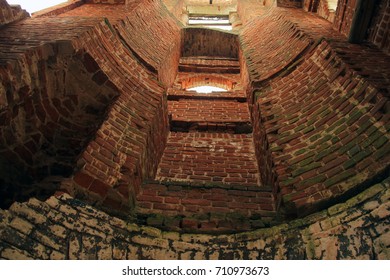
[
  {"x": 327, "y": 136},
  {"x": 270, "y": 53},
  {"x": 209, "y": 43},
  {"x": 216, "y": 110},
  {"x": 212, "y": 207},
  {"x": 186, "y": 80},
  {"x": 209, "y": 157},
  {"x": 51, "y": 102},
  {"x": 159, "y": 54},
  {"x": 344, "y": 15},
  {"x": 125, "y": 148},
  {"x": 11, "y": 13},
  {"x": 65, "y": 228}
]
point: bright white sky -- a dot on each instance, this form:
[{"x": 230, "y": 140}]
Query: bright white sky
[
  {"x": 206, "y": 89},
  {"x": 32, "y": 6}
]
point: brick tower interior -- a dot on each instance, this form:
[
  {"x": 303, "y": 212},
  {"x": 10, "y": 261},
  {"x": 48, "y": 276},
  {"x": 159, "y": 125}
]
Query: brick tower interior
[{"x": 106, "y": 151}]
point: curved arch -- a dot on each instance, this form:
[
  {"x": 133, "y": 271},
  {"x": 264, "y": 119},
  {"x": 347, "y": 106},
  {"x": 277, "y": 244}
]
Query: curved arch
[{"x": 196, "y": 80}]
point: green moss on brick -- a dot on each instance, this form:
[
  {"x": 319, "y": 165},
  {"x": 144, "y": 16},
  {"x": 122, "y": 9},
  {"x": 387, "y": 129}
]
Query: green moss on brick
[
  {"x": 380, "y": 142},
  {"x": 340, "y": 129},
  {"x": 299, "y": 152},
  {"x": 363, "y": 154},
  {"x": 314, "y": 137},
  {"x": 354, "y": 116},
  {"x": 382, "y": 152},
  {"x": 308, "y": 129},
  {"x": 312, "y": 181},
  {"x": 309, "y": 167},
  {"x": 349, "y": 163},
  {"x": 339, "y": 177}
]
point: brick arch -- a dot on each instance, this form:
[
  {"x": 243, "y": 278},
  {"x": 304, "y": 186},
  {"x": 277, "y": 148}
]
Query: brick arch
[{"x": 207, "y": 80}]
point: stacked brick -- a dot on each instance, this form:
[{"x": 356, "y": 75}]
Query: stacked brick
[
  {"x": 209, "y": 150},
  {"x": 65, "y": 228},
  {"x": 215, "y": 112},
  {"x": 9, "y": 14},
  {"x": 203, "y": 173},
  {"x": 209, "y": 43},
  {"x": 139, "y": 25},
  {"x": 209, "y": 157},
  {"x": 124, "y": 150},
  {"x": 187, "y": 80},
  {"x": 333, "y": 134},
  {"x": 281, "y": 42},
  {"x": 161, "y": 52}
]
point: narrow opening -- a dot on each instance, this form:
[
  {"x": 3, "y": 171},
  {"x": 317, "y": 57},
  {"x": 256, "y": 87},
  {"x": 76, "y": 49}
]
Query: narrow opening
[{"x": 207, "y": 89}]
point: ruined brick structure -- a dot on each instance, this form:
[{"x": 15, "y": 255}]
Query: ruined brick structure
[{"x": 105, "y": 153}]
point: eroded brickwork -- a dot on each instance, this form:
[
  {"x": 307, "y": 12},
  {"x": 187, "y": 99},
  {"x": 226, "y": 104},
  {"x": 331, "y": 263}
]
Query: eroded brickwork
[
  {"x": 51, "y": 104},
  {"x": 64, "y": 228}
]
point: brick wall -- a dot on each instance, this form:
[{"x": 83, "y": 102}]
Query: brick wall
[
  {"x": 209, "y": 157},
  {"x": 65, "y": 228},
  {"x": 209, "y": 43},
  {"x": 334, "y": 143},
  {"x": 123, "y": 152},
  {"x": 161, "y": 32},
  {"x": 264, "y": 60},
  {"x": 133, "y": 136},
  {"x": 153, "y": 34},
  {"x": 205, "y": 207},
  {"x": 319, "y": 175},
  {"x": 379, "y": 33},
  {"x": 10, "y": 14},
  {"x": 289, "y": 3},
  {"x": 188, "y": 80},
  {"x": 53, "y": 100},
  {"x": 344, "y": 15},
  {"x": 208, "y": 111}
]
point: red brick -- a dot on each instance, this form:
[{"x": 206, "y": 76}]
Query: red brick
[
  {"x": 99, "y": 187},
  {"x": 84, "y": 180}
]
